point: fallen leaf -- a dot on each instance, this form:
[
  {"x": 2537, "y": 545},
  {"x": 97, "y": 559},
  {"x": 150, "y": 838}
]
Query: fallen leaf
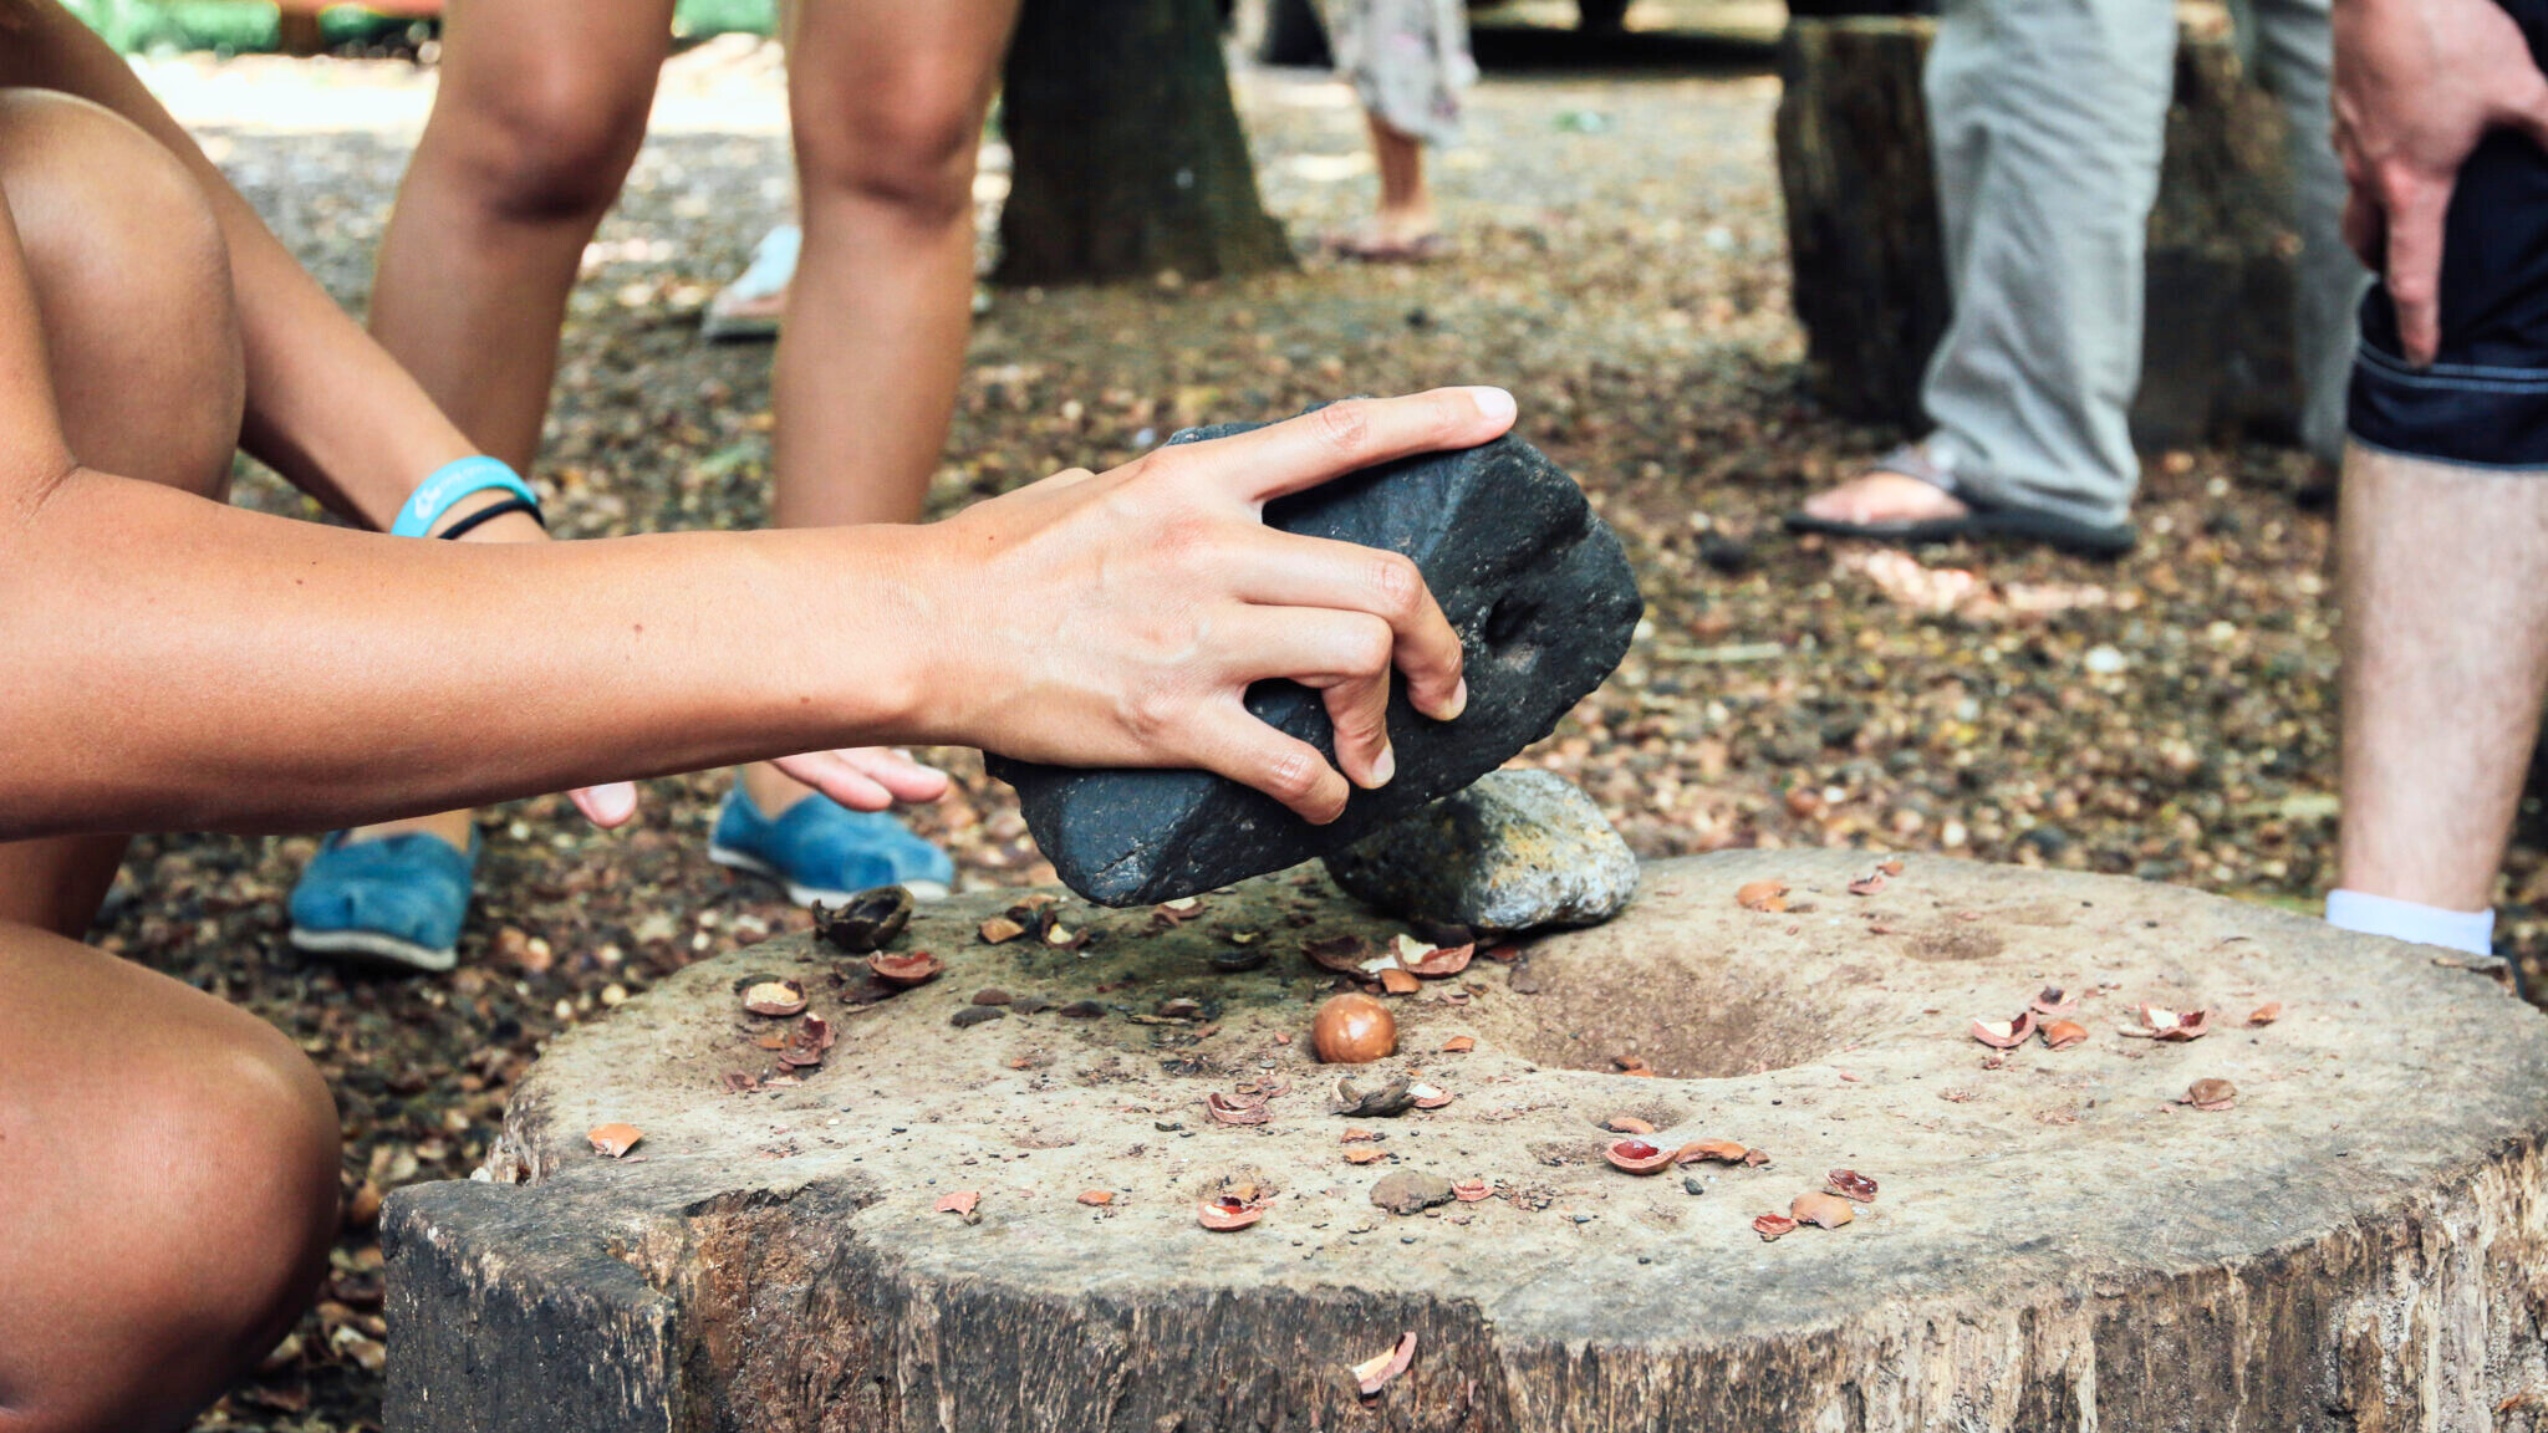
[
  {"x": 961, "y": 1202},
  {"x": 1772, "y": 1227},
  {"x": 1372, "y": 1375},
  {"x": 2266, "y": 1014},
  {"x": 1458, "y": 1045},
  {"x": 1850, "y": 1184},
  {"x": 1627, "y": 1124},
  {"x": 999, "y": 930},
  {"x": 776, "y": 998},
  {"x": 615, "y": 1140},
  {"x": 2005, "y": 1034},
  {"x": 2062, "y": 1034},
  {"x": 1825, "y": 1211},
  {"x": 1768, "y": 896},
  {"x": 2210, "y": 1095},
  {"x": 1097, "y": 1198}
]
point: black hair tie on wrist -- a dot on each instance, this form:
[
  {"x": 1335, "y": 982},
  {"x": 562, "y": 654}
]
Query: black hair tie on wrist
[{"x": 484, "y": 515}]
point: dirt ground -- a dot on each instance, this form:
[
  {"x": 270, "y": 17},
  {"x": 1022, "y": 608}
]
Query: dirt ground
[{"x": 1621, "y": 270}]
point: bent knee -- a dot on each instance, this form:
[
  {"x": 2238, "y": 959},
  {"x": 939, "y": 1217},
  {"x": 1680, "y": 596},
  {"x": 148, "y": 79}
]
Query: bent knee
[
  {"x": 545, "y": 139},
  {"x": 910, "y": 145}
]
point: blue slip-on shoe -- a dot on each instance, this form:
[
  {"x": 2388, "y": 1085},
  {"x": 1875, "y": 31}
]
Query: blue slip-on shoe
[
  {"x": 823, "y": 851},
  {"x": 399, "y": 901}
]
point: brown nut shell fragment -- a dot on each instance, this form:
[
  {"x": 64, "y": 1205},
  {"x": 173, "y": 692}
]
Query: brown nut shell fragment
[
  {"x": 1637, "y": 1156},
  {"x": 1470, "y": 1191},
  {"x": 2062, "y": 1034},
  {"x": 1459, "y": 1045},
  {"x": 1891, "y": 865},
  {"x": 1823, "y": 1211},
  {"x": 1770, "y": 896},
  {"x": 615, "y": 1140},
  {"x": 1429, "y": 1097},
  {"x": 1354, "y": 1030},
  {"x": 1627, "y": 1124},
  {"x": 1772, "y": 1227},
  {"x": 1398, "y": 982},
  {"x": 1850, "y": 1184},
  {"x": 1868, "y": 884},
  {"x": 1222, "y": 1215},
  {"x": 2211, "y": 1095},
  {"x": 2052, "y": 1002},
  {"x": 1433, "y": 962},
  {"x": 917, "y": 968},
  {"x": 2266, "y": 1014},
  {"x": 2005, "y": 1034},
  {"x": 867, "y": 921},
  {"x": 1372, "y": 1375},
  {"x": 776, "y": 998},
  {"x": 2192, "y": 1025},
  {"x": 1097, "y": 1198},
  {"x": 1226, "y": 1110},
  {"x": 1365, "y": 1156},
  {"x": 960, "y": 1202},
  {"x": 1343, "y": 954},
  {"x": 1000, "y": 930},
  {"x": 1723, "y": 1151}
]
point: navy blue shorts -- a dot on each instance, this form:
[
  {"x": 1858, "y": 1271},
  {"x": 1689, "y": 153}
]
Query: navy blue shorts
[{"x": 2484, "y": 401}]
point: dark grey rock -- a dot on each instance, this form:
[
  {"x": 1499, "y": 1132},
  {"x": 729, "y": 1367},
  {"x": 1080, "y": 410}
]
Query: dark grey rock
[
  {"x": 1519, "y": 850},
  {"x": 1408, "y": 1192},
  {"x": 973, "y": 1015},
  {"x": 1544, "y": 602}
]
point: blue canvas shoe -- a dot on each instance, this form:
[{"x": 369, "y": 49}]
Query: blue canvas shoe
[
  {"x": 399, "y": 901},
  {"x": 823, "y": 851}
]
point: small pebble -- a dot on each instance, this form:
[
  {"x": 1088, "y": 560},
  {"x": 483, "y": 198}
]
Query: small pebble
[
  {"x": 1167, "y": 1126},
  {"x": 973, "y": 1015},
  {"x": 1033, "y": 1004},
  {"x": 1082, "y": 1010},
  {"x": 1583, "y": 1219},
  {"x": 1691, "y": 1183},
  {"x": 992, "y": 996}
]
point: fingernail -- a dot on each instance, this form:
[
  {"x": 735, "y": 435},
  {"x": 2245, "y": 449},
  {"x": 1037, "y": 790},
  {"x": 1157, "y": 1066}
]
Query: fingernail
[
  {"x": 1385, "y": 767},
  {"x": 1459, "y": 700},
  {"x": 1495, "y": 403}
]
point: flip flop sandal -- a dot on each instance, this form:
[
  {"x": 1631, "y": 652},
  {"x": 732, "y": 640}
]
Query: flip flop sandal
[
  {"x": 1979, "y": 520},
  {"x": 1371, "y": 250},
  {"x": 751, "y": 306}
]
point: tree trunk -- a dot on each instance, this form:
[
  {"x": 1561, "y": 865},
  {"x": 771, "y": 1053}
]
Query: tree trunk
[
  {"x": 2056, "y": 1242},
  {"x": 1129, "y": 159},
  {"x": 1870, "y": 279}
]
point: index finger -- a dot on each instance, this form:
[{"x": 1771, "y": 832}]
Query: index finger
[
  {"x": 1285, "y": 569},
  {"x": 1340, "y": 438}
]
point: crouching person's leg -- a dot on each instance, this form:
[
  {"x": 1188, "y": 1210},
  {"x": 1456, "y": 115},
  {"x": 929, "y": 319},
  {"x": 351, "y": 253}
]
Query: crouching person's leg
[
  {"x": 141, "y": 343},
  {"x": 168, "y": 1185},
  {"x": 2443, "y": 554}
]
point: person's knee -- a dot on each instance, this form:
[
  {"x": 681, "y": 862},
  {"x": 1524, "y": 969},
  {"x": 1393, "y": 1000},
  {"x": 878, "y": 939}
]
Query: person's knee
[
  {"x": 123, "y": 248},
  {"x": 547, "y": 138},
  {"x": 909, "y": 144}
]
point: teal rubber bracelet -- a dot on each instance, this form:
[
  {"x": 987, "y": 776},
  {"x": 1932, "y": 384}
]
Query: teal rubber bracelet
[{"x": 457, "y": 479}]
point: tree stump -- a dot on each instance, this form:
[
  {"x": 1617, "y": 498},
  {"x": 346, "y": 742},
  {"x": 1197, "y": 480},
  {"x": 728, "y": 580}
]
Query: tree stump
[
  {"x": 1128, "y": 157},
  {"x": 2056, "y": 1241},
  {"x": 1870, "y": 279}
]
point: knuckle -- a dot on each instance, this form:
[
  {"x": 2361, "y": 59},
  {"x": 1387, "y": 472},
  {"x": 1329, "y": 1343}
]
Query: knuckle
[
  {"x": 1343, "y": 428},
  {"x": 1398, "y": 583},
  {"x": 1367, "y": 650},
  {"x": 1292, "y": 775},
  {"x": 1149, "y": 715}
]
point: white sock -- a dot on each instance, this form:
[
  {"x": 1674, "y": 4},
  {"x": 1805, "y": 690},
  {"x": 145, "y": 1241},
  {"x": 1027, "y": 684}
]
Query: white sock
[{"x": 2470, "y": 931}]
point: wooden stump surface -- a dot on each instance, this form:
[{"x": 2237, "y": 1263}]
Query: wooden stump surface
[{"x": 2057, "y": 1242}]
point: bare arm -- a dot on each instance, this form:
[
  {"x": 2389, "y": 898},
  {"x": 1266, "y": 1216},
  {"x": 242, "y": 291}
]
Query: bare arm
[{"x": 327, "y": 407}]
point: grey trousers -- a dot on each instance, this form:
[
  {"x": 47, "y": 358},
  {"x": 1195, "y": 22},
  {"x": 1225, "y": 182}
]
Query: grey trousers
[{"x": 2048, "y": 118}]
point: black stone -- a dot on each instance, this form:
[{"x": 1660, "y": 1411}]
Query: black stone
[
  {"x": 1537, "y": 587},
  {"x": 973, "y": 1015}
]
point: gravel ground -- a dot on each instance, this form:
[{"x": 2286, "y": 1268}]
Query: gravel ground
[{"x": 1621, "y": 270}]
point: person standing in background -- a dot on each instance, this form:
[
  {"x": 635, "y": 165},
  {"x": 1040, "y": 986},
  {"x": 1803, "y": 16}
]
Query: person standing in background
[
  {"x": 542, "y": 107},
  {"x": 1408, "y": 61}
]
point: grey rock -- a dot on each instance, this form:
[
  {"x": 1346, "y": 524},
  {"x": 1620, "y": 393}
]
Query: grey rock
[
  {"x": 1519, "y": 850},
  {"x": 1544, "y": 602},
  {"x": 1408, "y": 1192}
]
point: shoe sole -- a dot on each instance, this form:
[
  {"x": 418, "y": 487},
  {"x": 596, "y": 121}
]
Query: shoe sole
[
  {"x": 734, "y": 860},
  {"x": 371, "y": 948}
]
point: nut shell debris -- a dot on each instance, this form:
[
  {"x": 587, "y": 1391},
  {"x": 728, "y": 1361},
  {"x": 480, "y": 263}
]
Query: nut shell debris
[
  {"x": 615, "y": 1140},
  {"x": 2211, "y": 1095},
  {"x": 1850, "y": 1184},
  {"x": 776, "y": 998},
  {"x": 1638, "y": 1156},
  {"x": 1374, "y": 1374},
  {"x": 1773, "y": 1227},
  {"x": 917, "y": 968},
  {"x": 2005, "y": 1034},
  {"x": 2062, "y": 1034},
  {"x": 1354, "y": 1030},
  {"x": 1823, "y": 1211},
  {"x": 1769, "y": 896}
]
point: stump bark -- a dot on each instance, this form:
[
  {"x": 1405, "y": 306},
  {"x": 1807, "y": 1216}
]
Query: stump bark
[
  {"x": 2056, "y": 1242},
  {"x": 1870, "y": 277},
  {"x": 1128, "y": 156}
]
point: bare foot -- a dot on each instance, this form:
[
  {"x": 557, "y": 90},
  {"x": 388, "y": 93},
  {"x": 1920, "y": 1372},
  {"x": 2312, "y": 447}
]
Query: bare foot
[{"x": 1878, "y": 497}]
